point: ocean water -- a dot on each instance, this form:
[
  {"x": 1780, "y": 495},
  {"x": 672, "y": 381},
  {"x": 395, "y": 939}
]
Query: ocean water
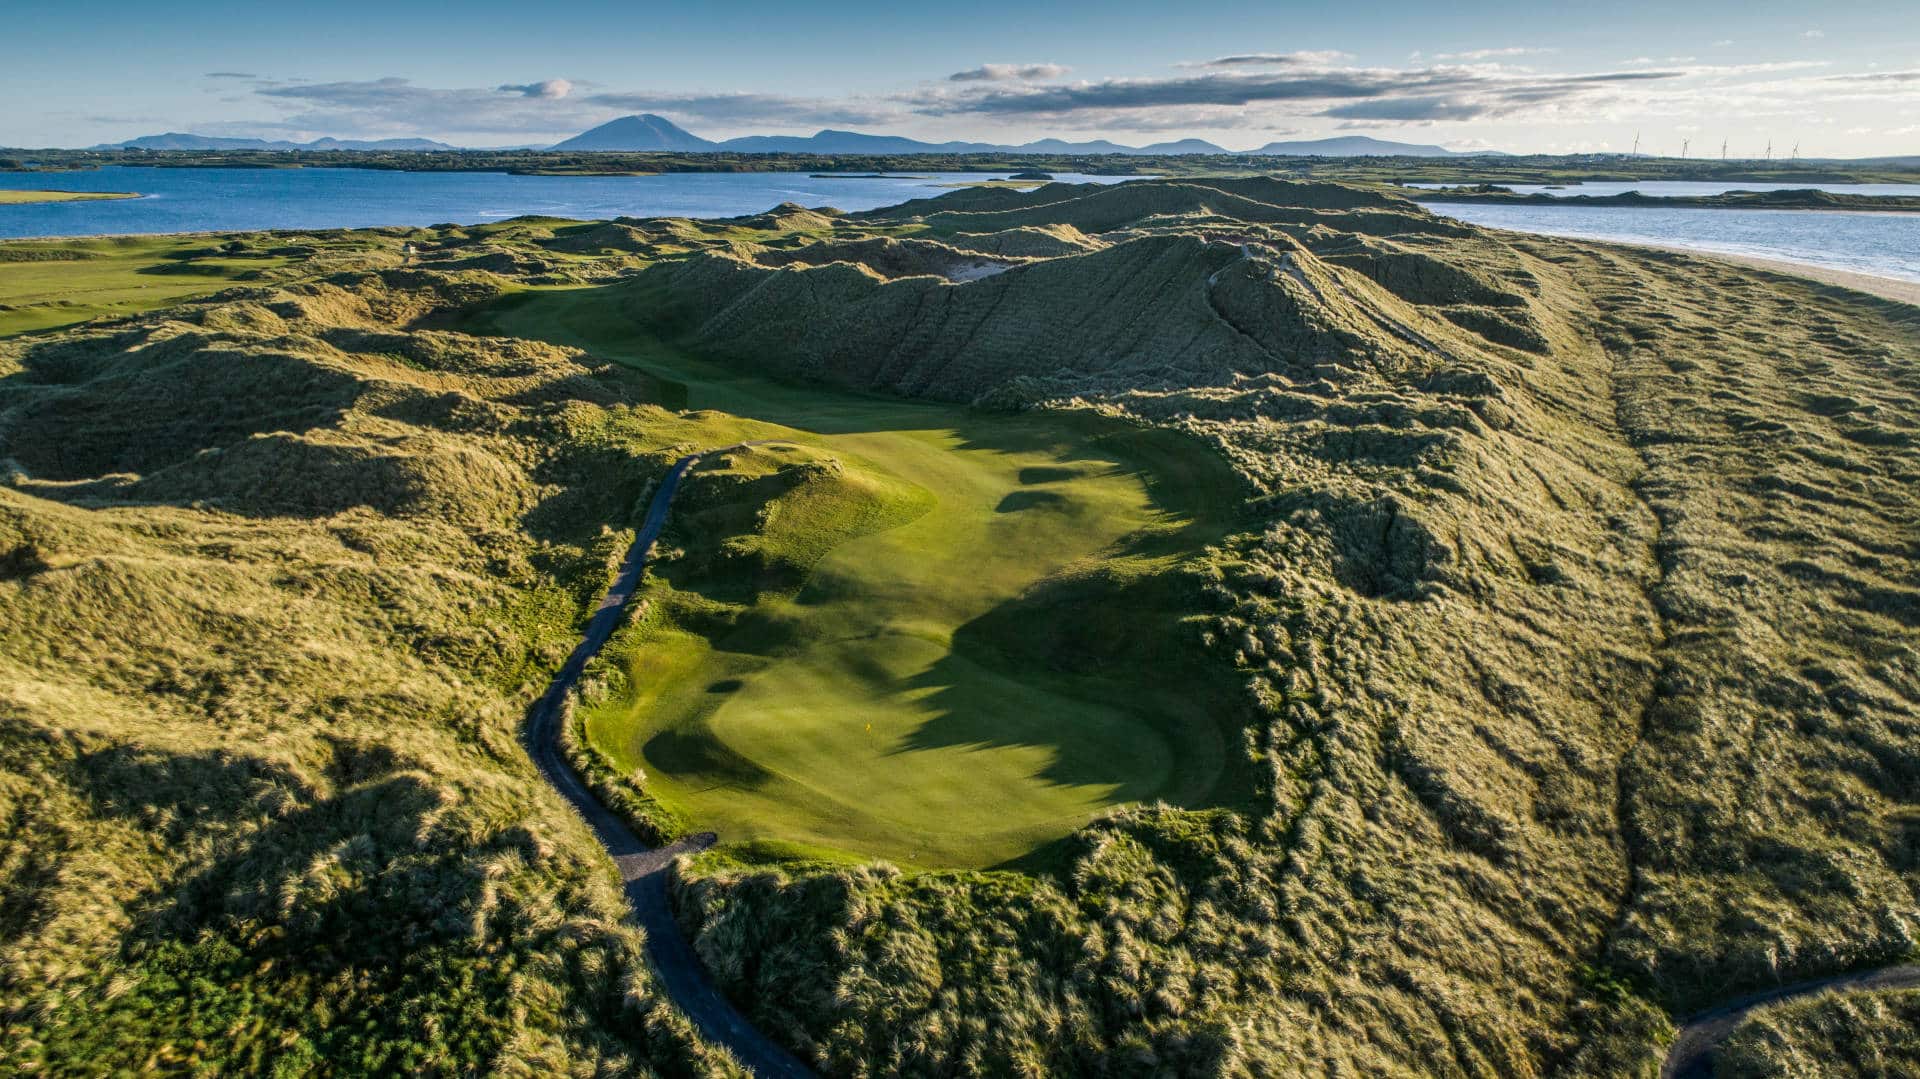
[
  {"x": 1885, "y": 244},
  {"x": 220, "y": 200},
  {"x": 233, "y": 200}
]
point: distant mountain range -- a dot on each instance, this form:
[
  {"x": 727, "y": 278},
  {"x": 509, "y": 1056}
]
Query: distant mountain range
[
  {"x": 175, "y": 140},
  {"x": 647, "y": 132},
  {"x": 656, "y": 134}
]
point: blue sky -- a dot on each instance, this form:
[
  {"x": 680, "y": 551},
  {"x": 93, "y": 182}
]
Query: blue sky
[{"x": 1838, "y": 79}]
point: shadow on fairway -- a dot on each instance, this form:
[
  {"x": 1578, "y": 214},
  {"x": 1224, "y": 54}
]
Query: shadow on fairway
[{"x": 1093, "y": 669}]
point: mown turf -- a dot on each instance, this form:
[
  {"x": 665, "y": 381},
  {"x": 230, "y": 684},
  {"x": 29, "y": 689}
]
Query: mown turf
[
  {"x": 46, "y": 284},
  {"x": 909, "y": 652}
]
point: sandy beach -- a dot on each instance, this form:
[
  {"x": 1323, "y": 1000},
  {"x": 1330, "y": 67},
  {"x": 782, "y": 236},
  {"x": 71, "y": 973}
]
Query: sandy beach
[{"x": 12, "y": 197}]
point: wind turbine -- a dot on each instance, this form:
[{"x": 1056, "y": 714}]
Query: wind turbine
[
  {"x": 1723, "y": 149},
  {"x": 1636, "y": 144},
  {"x": 1684, "y": 143},
  {"x": 1769, "y": 149}
]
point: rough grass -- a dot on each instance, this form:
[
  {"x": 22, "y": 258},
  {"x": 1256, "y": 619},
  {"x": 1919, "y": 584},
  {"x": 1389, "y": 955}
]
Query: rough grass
[
  {"x": 277, "y": 581},
  {"x": 1568, "y": 616},
  {"x": 1575, "y": 605},
  {"x": 1866, "y": 1035}
]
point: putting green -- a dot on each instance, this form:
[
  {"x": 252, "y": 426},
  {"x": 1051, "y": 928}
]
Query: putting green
[{"x": 983, "y": 649}]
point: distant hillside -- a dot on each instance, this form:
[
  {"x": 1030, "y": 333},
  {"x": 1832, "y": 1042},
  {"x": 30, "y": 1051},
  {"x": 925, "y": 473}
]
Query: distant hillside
[
  {"x": 1183, "y": 146},
  {"x": 850, "y": 142},
  {"x": 642, "y": 133},
  {"x": 176, "y": 140},
  {"x": 1358, "y": 146},
  {"x": 650, "y": 133},
  {"x": 647, "y": 132}
]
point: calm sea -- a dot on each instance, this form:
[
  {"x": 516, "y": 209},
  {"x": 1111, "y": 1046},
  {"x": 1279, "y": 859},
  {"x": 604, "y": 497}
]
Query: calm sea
[
  {"x": 221, "y": 200},
  {"x": 234, "y": 200}
]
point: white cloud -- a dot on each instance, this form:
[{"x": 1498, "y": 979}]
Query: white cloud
[
  {"x": 1472, "y": 92},
  {"x": 1815, "y": 34},
  {"x": 1491, "y": 54},
  {"x": 1407, "y": 96},
  {"x": 1009, "y": 72},
  {"x": 551, "y": 89},
  {"x": 1299, "y": 58}
]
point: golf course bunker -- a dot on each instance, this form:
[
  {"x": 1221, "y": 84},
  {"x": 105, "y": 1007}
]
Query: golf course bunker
[{"x": 982, "y": 653}]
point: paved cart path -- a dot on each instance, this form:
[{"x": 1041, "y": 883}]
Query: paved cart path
[
  {"x": 1691, "y": 1056},
  {"x": 643, "y": 868}
]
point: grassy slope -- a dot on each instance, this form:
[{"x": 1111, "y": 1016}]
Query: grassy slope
[
  {"x": 276, "y": 582},
  {"x": 1572, "y": 623},
  {"x": 1860, "y": 1035},
  {"x": 880, "y": 697},
  {"x": 1768, "y": 802},
  {"x": 1525, "y": 504}
]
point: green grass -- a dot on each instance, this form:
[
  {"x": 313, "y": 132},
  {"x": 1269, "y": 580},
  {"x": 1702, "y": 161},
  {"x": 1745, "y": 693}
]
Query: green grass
[
  {"x": 923, "y": 650},
  {"x": 1566, "y": 610},
  {"x": 47, "y": 284},
  {"x": 17, "y": 198},
  {"x": 1575, "y": 608}
]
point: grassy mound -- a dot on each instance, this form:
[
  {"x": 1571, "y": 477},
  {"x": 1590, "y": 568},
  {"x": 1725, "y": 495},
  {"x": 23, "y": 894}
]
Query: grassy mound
[
  {"x": 1840, "y": 1034},
  {"x": 1551, "y": 670},
  {"x": 271, "y": 609},
  {"x": 1539, "y": 759},
  {"x": 1176, "y": 310}
]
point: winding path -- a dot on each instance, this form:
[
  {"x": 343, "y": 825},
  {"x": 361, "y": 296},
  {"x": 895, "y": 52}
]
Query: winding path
[
  {"x": 643, "y": 869},
  {"x": 1691, "y": 1055}
]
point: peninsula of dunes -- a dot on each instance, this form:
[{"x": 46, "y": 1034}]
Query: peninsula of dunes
[{"x": 1199, "y": 626}]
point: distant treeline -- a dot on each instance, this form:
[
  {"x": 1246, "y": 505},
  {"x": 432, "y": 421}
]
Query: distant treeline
[{"x": 1537, "y": 169}]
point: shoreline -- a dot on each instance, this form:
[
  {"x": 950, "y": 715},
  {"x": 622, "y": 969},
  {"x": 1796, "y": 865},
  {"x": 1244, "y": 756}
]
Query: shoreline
[{"x": 1898, "y": 289}]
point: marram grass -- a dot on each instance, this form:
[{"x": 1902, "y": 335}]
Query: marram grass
[{"x": 1553, "y": 604}]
